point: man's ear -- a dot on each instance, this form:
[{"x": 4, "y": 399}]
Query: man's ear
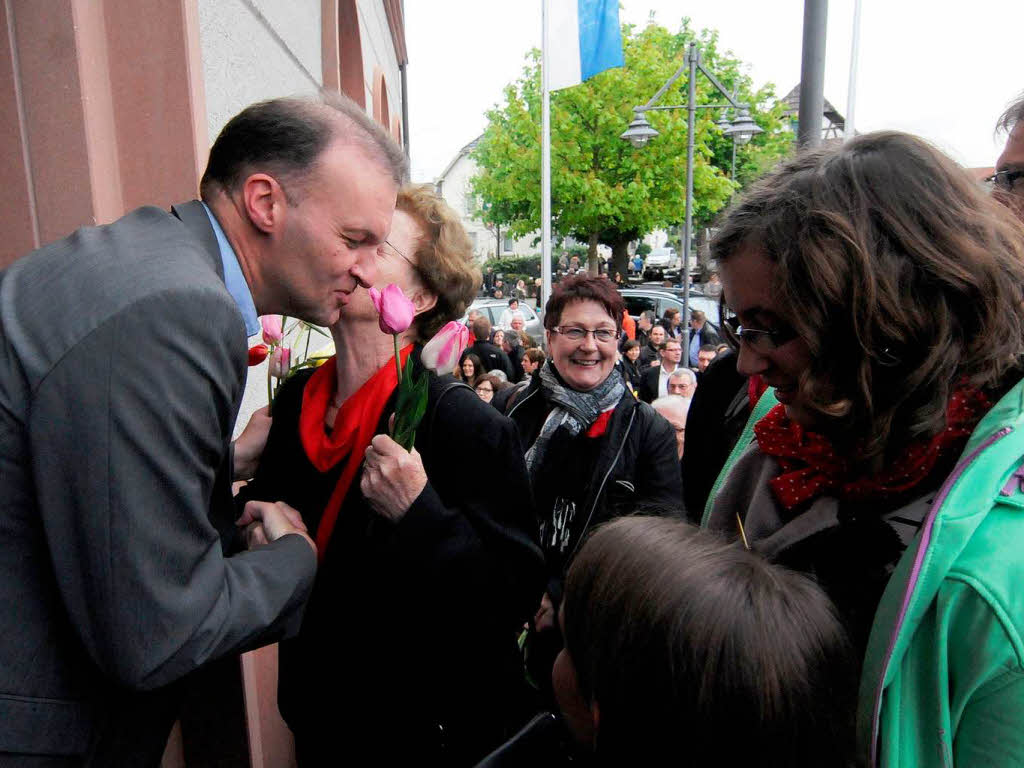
[{"x": 264, "y": 202}]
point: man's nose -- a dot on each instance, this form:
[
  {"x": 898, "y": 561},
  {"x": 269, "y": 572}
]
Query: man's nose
[{"x": 365, "y": 268}]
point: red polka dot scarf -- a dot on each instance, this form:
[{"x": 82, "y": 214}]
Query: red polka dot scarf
[{"x": 811, "y": 467}]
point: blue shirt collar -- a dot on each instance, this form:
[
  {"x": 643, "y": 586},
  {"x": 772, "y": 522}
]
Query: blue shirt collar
[{"x": 234, "y": 280}]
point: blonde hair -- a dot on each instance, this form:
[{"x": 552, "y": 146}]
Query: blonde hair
[{"x": 443, "y": 256}]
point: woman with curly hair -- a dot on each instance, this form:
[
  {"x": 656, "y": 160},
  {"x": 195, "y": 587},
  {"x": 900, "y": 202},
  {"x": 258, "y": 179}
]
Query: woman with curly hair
[
  {"x": 880, "y": 294},
  {"x": 383, "y": 666}
]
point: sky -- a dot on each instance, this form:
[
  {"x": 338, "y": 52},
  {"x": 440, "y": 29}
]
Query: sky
[{"x": 941, "y": 69}]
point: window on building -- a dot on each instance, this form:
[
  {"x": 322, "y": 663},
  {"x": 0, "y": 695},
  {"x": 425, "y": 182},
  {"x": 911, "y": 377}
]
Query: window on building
[{"x": 507, "y": 245}]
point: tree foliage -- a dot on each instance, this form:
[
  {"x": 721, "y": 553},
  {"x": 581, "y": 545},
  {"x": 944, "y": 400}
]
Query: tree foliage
[{"x": 602, "y": 188}]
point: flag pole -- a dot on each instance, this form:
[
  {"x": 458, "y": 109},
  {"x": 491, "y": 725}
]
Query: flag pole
[
  {"x": 850, "y": 129},
  {"x": 545, "y": 165}
]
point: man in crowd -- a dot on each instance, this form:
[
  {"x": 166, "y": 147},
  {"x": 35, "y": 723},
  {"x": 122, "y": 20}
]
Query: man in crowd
[
  {"x": 122, "y": 368},
  {"x": 654, "y": 383},
  {"x": 491, "y": 356},
  {"x": 705, "y": 355},
  {"x": 1009, "y": 175},
  {"x": 518, "y": 325},
  {"x": 682, "y": 381},
  {"x": 700, "y": 334},
  {"x": 644, "y": 323},
  {"x": 650, "y": 353},
  {"x": 674, "y": 408}
]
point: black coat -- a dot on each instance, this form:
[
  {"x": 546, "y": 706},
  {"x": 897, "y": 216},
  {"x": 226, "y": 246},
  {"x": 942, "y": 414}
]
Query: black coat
[
  {"x": 407, "y": 650},
  {"x": 492, "y": 356},
  {"x": 649, "y": 384},
  {"x": 636, "y": 467},
  {"x": 717, "y": 416}
]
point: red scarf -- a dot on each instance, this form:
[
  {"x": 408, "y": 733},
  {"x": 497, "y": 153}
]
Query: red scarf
[
  {"x": 354, "y": 427},
  {"x": 811, "y": 467}
]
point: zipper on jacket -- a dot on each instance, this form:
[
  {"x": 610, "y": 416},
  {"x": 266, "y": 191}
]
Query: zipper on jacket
[
  {"x": 915, "y": 573},
  {"x": 600, "y": 489}
]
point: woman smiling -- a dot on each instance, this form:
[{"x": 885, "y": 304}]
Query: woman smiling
[{"x": 594, "y": 451}]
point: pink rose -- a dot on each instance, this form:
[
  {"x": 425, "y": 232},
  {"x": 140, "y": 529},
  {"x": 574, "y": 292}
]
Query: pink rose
[
  {"x": 395, "y": 310},
  {"x": 443, "y": 351},
  {"x": 280, "y": 362},
  {"x": 273, "y": 333}
]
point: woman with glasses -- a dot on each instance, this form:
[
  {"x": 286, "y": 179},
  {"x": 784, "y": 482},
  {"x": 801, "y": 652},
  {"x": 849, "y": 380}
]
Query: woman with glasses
[
  {"x": 593, "y": 451},
  {"x": 407, "y": 648},
  {"x": 487, "y": 385},
  {"x": 879, "y": 292}
]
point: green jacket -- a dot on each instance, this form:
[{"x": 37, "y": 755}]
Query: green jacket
[{"x": 943, "y": 679}]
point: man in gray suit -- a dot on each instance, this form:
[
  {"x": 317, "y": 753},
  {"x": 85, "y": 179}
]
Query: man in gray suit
[{"x": 122, "y": 367}]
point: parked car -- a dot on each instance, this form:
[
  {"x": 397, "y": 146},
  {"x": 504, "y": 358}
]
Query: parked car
[
  {"x": 493, "y": 309},
  {"x": 660, "y": 299}
]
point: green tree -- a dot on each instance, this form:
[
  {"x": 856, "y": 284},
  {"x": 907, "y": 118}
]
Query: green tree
[{"x": 603, "y": 190}]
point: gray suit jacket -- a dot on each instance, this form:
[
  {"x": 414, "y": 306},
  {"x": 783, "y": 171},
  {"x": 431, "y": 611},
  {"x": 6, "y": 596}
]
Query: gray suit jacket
[{"x": 122, "y": 367}]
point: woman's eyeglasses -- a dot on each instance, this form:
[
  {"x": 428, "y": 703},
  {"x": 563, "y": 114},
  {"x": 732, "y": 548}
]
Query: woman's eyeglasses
[
  {"x": 573, "y": 333},
  {"x": 1005, "y": 180},
  {"x": 764, "y": 341}
]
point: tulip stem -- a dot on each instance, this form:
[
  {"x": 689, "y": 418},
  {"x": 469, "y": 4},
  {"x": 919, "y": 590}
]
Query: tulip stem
[
  {"x": 398, "y": 359},
  {"x": 270, "y": 389}
]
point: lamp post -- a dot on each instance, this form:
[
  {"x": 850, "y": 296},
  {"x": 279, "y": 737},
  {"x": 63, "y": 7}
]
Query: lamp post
[{"x": 741, "y": 129}]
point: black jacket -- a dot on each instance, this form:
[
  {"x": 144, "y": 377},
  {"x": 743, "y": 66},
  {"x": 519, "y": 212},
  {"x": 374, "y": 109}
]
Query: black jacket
[
  {"x": 636, "y": 468},
  {"x": 492, "y": 357},
  {"x": 407, "y": 650},
  {"x": 649, "y": 383},
  {"x": 716, "y": 418}
]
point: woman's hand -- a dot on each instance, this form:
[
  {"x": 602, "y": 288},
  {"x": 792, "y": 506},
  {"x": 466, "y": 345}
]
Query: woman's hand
[
  {"x": 393, "y": 478},
  {"x": 249, "y": 445}
]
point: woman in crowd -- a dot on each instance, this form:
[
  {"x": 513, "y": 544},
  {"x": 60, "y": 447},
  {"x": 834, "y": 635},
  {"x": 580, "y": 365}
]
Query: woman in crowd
[
  {"x": 593, "y": 450},
  {"x": 407, "y": 648},
  {"x": 470, "y": 369},
  {"x": 488, "y": 385},
  {"x": 630, "y": 364},
  {"x": 672, "y": 323},
  {"x": 880, "y": 294}
]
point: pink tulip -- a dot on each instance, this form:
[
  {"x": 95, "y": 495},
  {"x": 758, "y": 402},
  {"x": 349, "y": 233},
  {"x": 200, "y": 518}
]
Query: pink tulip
[
  {"x": 395, "y": 310},
  {"x": 273, "y": 333},
  {"x": 443, "y": 351},
  {"x": 280, "y": 362}
]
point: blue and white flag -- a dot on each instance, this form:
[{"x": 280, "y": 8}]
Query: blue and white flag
[{"x": 584, "y": 38}]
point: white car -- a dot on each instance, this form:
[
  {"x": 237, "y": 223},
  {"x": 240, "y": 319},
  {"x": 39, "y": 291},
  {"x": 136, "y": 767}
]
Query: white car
[{"x": 662, "y": 258}]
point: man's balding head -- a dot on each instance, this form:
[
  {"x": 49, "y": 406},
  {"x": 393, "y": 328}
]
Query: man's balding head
[{"x": 286, "y": 137}]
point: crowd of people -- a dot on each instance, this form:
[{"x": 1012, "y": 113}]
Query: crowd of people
[{"x": 630, "y": 542}]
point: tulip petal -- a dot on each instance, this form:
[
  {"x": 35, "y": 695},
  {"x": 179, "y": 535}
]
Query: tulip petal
[{"x": 273, "y": 331}]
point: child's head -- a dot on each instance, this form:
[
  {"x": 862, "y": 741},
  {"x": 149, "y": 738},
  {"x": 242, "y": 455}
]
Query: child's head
[{"x": 681, "y": 646}]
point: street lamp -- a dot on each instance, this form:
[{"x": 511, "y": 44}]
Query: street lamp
[{"x": 741, "y": 129}]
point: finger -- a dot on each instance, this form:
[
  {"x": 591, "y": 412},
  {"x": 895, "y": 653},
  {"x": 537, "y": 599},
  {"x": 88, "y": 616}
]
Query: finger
[
  {"x": 293, "y": 515},
  {"x": 254, "y": 535},
  {"x": 251, "y": 512},
  {"x": 385, "y": 446}
]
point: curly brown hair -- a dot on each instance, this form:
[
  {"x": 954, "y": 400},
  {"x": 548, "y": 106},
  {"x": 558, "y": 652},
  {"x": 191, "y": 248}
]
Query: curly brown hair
[
  {"x": 899, "y": 273},
  {"x": 444, "y": 257}
]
